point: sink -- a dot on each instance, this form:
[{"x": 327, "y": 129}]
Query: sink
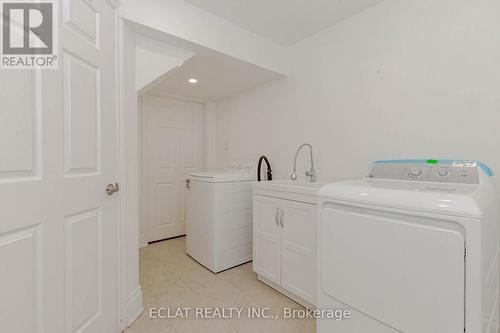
[{"x": 288, "y": 185}]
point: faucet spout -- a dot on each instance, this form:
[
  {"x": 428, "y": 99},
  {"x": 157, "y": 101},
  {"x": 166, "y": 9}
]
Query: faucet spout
[{"x": 311, "y": 173}]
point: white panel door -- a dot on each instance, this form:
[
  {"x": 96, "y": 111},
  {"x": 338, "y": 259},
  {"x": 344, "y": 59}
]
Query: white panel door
[
  {"x": 173, "y": 148},
  {"x": 58, "y": 151},
  {"x": 298, "y": 243},
  {"x": 267, "y": 238}
]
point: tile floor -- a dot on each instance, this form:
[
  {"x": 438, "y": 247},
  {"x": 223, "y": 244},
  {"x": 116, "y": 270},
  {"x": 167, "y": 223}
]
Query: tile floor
[{"x": 171, "y": 279}]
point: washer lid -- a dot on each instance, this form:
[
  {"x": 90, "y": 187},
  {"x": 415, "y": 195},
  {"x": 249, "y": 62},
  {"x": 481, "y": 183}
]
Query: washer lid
[
  {"x": 448, "y": 199},
  {"x": 221, "y": 176}
]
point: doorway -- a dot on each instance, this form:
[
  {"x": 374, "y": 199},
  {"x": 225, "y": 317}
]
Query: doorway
[
  {"x": 172, "y": 136},
  {"x": 155, "y": 166}
]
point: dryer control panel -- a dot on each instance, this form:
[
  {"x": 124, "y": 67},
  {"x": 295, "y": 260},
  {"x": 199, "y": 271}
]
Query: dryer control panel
[{"x": 446, "y": 171}]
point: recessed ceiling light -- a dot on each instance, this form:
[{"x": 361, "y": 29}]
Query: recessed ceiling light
[{"x": 193, "y": 80}]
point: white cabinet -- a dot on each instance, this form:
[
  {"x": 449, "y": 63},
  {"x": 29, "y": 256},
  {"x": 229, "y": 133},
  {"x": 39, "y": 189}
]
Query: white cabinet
[{"x": 284, "y": 245}]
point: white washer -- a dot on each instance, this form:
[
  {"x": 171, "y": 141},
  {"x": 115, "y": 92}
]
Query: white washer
[
  {"x": 412, "y": 247},
  {"x": 219, "y": 217}
]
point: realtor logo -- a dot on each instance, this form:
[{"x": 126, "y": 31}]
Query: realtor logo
[{"x": 29, "y": 38}]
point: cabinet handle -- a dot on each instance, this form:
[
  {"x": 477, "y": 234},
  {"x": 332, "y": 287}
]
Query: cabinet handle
[
  {"x": 276, "y": 217},
  {"x": 282, "y": 213}
]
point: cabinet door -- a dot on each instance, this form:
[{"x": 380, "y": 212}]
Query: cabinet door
[
  {"x": 298, "y": 249},
  {"x": 266, "y": 242}
]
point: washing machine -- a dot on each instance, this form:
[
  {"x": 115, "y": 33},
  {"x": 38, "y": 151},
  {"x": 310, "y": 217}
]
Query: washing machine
[
  {"x": 412, "y": 247},
  {"x": 219, "y": 216}
]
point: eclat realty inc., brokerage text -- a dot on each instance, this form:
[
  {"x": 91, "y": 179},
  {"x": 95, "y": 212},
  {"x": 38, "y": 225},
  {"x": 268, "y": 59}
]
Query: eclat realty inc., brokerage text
[{"x": 243, "y": 312}]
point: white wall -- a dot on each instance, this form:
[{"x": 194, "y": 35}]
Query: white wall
[{"x": 402, "y": 79}]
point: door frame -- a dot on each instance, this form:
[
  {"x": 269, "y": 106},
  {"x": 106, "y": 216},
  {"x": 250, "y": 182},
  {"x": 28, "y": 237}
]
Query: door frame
[
  {"x": 208, "y": 152},
  {"x": 129, "y": 294},
  {"x": 122, "y": 276}
]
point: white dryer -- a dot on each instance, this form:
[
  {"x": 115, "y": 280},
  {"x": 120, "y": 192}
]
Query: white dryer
[
  {"x": 219, "y": 216},
  {"x": 412, "y": 247}
]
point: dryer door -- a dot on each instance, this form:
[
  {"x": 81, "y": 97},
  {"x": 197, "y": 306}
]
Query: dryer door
[{"x": 405, "y": 272}]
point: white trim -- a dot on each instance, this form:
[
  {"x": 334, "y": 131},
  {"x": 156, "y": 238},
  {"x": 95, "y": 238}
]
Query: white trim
[
  {"x": 121, "y": 235},
  {"x": 143, "y": 226},
  {"x": 210, "y": 135},
  {"x": 134, "y": 306},
  {"x": 130, "y": 305}
]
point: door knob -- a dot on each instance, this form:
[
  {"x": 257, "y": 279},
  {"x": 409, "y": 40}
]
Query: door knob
[{"x": 110, "y": 189}]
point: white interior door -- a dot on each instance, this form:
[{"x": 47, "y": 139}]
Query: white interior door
[
  {"x": 58, "y": 151},
  {"x": 173, "y": 148}
]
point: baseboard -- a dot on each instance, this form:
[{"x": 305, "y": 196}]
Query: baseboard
[
  {"x": 142, "y": 241},
  {"x": 288, "y": 294},
  {"x": 134, "y": 306}
]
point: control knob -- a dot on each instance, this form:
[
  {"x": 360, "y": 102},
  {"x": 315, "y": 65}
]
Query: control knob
[
  {"x": 415, "y": 172},
  {"x": 443, "y": 172}
]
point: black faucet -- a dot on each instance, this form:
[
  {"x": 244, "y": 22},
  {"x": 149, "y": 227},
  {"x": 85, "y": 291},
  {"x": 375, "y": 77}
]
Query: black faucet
[{"x": 269, "y": 171}]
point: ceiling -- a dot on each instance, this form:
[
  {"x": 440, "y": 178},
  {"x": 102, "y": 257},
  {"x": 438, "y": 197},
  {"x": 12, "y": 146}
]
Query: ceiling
[
  {"x": 284, "y": 21},
  {"x": 154, "y": 58},
  {"x": 219, "y": 76}
]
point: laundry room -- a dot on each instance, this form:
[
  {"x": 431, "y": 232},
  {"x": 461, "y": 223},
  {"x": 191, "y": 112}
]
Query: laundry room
[{"x": 250, "y": 166}]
